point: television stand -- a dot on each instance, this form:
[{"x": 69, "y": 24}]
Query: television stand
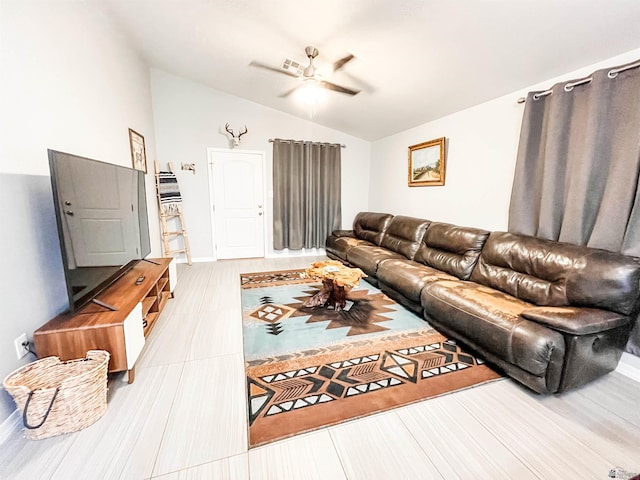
[
  {"x": 102, "y": 304},
  {"x": 133, "y": 309}
]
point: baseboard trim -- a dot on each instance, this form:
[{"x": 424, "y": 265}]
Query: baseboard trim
[
  {"x": 629, "y": 366},
  {"x": 286, "y": 253},
  {"x": 9, "y": 426},
  {"x": 201, "y": 259},
  {"x": 195, "y": 260},
  {"x": 313, "y": 252}
]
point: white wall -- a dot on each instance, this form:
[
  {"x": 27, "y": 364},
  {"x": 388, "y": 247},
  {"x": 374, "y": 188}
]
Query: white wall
[
  {"x": 482, "y": 148},
  {"x": 70, "y": 83},
  {"x": 189, "y": 117}
]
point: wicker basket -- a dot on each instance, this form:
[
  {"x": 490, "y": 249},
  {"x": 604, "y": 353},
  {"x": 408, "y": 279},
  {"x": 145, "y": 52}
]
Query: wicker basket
[{"x": 60, "y": 397}]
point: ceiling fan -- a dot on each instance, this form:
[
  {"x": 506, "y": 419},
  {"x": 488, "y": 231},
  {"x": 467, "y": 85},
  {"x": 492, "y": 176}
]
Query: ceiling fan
[{"x": 309, "y": 73}]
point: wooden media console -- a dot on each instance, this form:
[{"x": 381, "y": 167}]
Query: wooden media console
[{"x": 139, "y": 297}]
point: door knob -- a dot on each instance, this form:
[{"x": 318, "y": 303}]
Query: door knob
[
  {"x": 69, "y": 212},
  {"x": 259, "y": 213},
  {"x": 259, "y": 206}
]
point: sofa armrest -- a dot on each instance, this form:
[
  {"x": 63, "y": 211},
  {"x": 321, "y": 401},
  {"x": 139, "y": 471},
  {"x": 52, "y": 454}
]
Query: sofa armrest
[
  {"x": 343, "y": 233},
  {"x": 575, "y": 320}
]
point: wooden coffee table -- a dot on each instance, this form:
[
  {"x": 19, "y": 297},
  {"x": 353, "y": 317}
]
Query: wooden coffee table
[{"x": 337, "y": 281}]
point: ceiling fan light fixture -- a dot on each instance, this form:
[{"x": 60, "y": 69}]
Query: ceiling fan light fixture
[
  {"x": 314, "y": 87},
  {"x": 311, "y": 93}
]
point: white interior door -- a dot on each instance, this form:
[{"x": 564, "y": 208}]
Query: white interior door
[{"x": 237, "y": 184}]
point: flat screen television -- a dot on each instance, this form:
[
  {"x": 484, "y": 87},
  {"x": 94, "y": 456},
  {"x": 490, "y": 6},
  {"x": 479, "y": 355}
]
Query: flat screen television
[{"x": 101, "y": 212}]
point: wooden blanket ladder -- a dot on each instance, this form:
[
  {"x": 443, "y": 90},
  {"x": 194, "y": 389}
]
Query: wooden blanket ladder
[{"x": 176, "y": 218}]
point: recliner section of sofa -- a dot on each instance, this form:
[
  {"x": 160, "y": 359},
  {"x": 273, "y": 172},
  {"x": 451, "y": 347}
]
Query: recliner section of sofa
[
  {"x": 368, "y": 228},
  {"x": 400, "y": 240},
  {"x": 447, "y": 252},
  {"x": 551, "y": 315},
  {"x": 524, "y": 288}
]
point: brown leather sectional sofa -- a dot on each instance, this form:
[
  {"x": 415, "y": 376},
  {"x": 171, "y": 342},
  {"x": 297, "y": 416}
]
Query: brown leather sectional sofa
[{"x": 551, "y": 315}]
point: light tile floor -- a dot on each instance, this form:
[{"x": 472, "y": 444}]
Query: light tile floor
[{"x": 184, "y": 417}]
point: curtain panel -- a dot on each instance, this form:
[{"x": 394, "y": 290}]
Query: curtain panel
[
  {"x": 576, "y": 177},
  {"x": 306, "y": 193}
]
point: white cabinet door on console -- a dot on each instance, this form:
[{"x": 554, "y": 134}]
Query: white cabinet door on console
[
  {"x": 133, "y": 335},
  {"x": 173, "y": 276}
]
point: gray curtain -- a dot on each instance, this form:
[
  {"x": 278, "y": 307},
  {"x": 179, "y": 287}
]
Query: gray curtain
[
  {"x": 576, "y": 177},
  {"x": 306, "y": 193}
]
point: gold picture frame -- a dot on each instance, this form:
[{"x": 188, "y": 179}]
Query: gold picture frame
[
  {"x": 138, "y": 151},
  {"x": 427, "y": 163}
]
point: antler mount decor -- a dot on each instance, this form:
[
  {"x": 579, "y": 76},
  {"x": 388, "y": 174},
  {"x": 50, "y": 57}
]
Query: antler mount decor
[{"x": 235, "y": 137}]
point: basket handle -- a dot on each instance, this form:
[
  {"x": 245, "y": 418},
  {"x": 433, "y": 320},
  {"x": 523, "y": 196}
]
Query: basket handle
[{"x": 46, "y": 415}]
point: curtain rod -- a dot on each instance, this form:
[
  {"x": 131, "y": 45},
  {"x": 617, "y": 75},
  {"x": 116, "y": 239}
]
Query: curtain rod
[
  {"x": 271, "y": 140},
  {"x": 613, "y": 73}
]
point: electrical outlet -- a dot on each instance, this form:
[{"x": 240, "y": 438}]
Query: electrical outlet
[{"x": 21, "y": 350}]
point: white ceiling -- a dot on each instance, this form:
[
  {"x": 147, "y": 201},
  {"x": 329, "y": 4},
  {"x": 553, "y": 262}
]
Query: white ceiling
[{"x": 416, "y": 60}]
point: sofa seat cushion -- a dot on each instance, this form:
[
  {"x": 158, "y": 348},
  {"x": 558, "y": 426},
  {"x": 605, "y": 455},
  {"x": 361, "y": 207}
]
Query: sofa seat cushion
[
  {"x": 492, "y": 319},
  {"x": 367, "y": 258},
  {"x": 409, "y": 277},
  {"x": 339, "y": 246}
]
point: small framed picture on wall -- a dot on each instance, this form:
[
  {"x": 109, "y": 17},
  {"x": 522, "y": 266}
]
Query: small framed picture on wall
[
  {"x": 138, "y": 152},
  {"x": 427, "y": 163}
]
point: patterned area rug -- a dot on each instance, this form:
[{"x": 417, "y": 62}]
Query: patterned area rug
[{"x": 312, "y": 367}]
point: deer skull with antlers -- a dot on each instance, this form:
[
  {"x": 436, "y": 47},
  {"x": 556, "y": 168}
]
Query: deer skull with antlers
[{"x": 235, "y": 138}]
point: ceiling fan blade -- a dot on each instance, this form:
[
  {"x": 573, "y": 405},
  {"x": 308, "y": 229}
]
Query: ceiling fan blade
[
  {"x": 289, "y": 92},
  {"x": 366, "y": 86},
  {"x": 341, "y": 63},
  {"x": 273, "y": 69},
  {"x": 338, "y": 88}
]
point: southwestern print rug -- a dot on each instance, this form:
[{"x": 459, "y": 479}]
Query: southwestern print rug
[{"x": 309, "y": 368}]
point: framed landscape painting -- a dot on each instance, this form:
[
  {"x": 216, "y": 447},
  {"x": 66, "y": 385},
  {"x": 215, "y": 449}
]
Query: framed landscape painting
[
  {"x": 138, "y": 152},
  {"x": 427, "y": 163}
]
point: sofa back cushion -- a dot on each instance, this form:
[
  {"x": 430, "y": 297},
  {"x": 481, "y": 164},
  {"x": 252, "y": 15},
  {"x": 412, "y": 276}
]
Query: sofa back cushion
[
  {"x": 451, "y": 249},
  {"x": 371, "y": 226},
  {"x": 545, "y": 272},
  {"x": 404, "y": 235}
]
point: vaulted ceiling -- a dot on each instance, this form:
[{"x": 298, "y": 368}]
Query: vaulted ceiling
[{"x": 415, "y": 60}]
